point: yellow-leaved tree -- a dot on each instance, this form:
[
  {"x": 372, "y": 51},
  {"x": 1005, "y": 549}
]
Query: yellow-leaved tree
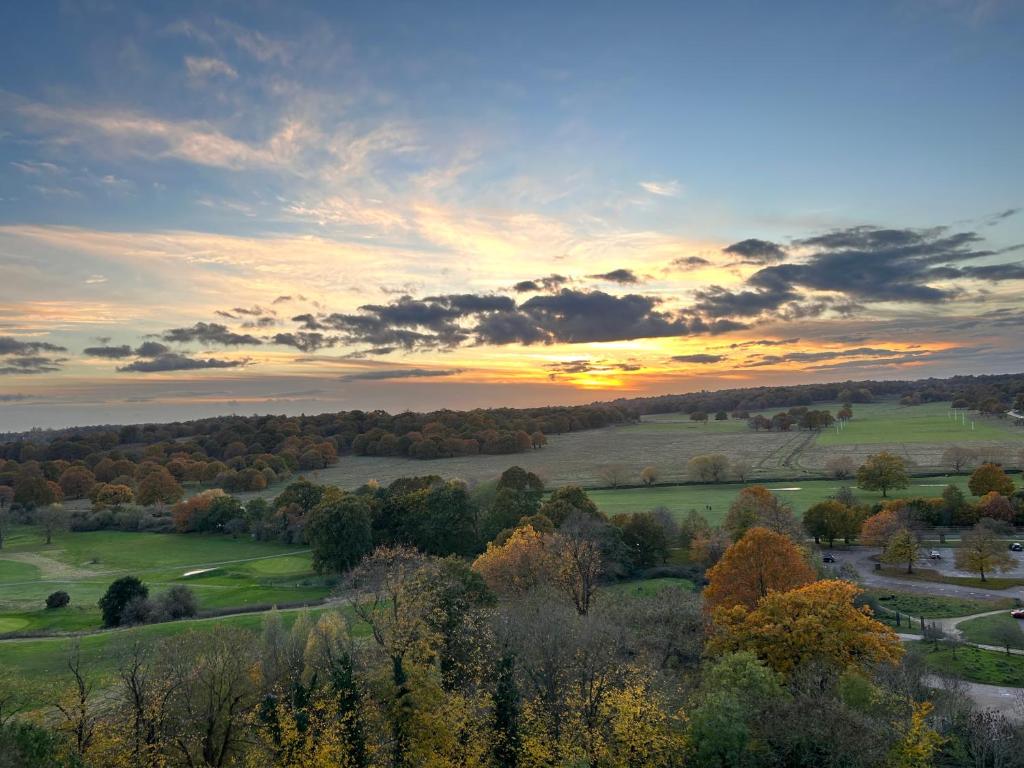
[{"x": 815, "y": 623}]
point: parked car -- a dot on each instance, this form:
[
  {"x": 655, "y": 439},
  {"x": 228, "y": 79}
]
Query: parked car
[
  {"x": 1016, "y": 547},
  {"x": 828, "y": 558},
  {"x": 935, "y": 555},
  {"x": 1017, "y": 613}
]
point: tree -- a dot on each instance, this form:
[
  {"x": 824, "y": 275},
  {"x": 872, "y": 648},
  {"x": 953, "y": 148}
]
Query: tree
[
  {"x": 614, "y": 474},
  {"x": 700, "y": 416},
  {"x": 831, "y": 520},
  {"x": 159, "y": 487},
  {"x": 879, "y": 527},
  {"x": 649, "y": 475},
  {"x": 524, "y": 561},
  {"x": 711, "y": 468},
  {"x": 988, "y": 478},
  {"x": 579, "y": 562},
  {"x": 761, "y": 562},
  {"x": 178, "y": 602},
  {"x": 956, "y": 457},
  {"x": 920, "y": 743},
  {"x": 756, "y": 505},
  {"x": 902, "y": 547},
  {"x": 36, "y": 491},
  {"x": 118, "y": 595},
  {"x": 693, "y": 525},
  {"x": 58, "y": 599},
  {"x": 818, "y": 623},
  {"x": 995, "y": 507},
  {"x": 881, "y": 472},
  {"x": 51, "y": 519},
  {"x": 645, "y": 538},
  {"x": 76, "y": 482},
  {"x": 707, "y": 547},
  {"x": 567, "y": 501},
  {"x": 840, "y": 467},
  {"x": 339, "y": 531},
  {"x": 741, "y": 470},
  {"x": 982, "y": 552}
]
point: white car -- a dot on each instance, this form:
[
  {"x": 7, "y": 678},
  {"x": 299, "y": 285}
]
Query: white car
[{"x": 934, "y": 555}]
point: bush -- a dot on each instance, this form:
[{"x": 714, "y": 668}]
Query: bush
[
  {"x": 179, "y": 602},
  {"x": 58, "y": 599}
]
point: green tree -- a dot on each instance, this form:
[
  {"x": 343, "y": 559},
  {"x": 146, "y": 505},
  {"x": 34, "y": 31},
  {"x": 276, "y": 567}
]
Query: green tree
[
  {"x": 339, "y": 531},
  {"x": 567, "y": 501},
  {"x": 831, "y": 520},
  {"x": 881, "y": 472},
  {"x": 121, "y": 592},
  {"x": 902, "y": 547},
  {"x": 988, "y": 478}
]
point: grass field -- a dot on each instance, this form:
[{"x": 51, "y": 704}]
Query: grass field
[
  {"x": 235, "y": 574},
  {"x": 647, "y": 587},
  {"x": 937, "y": 606},
  {"x": 975, "y": 664},
  {"x": 801, "y": 494},
  {"x": 668, "y": 441},
  {"x": 989, "y": 630},
  {"x": 890, "y": 422}
]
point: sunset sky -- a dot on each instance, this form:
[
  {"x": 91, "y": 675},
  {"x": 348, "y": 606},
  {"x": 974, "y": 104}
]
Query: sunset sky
[{"x": 213, "y": 208}]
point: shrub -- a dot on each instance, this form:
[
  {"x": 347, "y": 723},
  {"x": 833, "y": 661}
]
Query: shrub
[
  {"x": 58, "y": 599},
  {"x": 179, "y": 602},
  {"x": 117, "y": 597}
]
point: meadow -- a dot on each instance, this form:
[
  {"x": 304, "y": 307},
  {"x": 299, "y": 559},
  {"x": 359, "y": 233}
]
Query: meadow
[
  {"x": 920, "y": 434},
  {"x": 224, "y": 573}
]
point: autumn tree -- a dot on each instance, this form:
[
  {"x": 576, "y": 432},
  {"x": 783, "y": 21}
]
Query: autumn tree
[
  {"x": 995, "y": 506},
  {"x": 159, "y": 487},
  {"x": 756, "y": 505},
  {"x": 710, "y": 468},
  {"x": 761, "y": 562},
  {"x": 521, "y": 563},
  {"x": 877, "y": 529},
  {"x": 840, "y": 467},
  {"x": 816, "y": 623},
  {"x": 613, "y": 475},
  {"x": 883, "y": 471},
  {"x": 988, "y": 478},
  {"x": 649, "y": 475},
  {"x": 76, "y": 482},
  {"x": 982, "y": 552},
  {"x": 111, "y": 496},
  {"x": 579, "y": 561},
  {"x": 902, "y": 547},
  {"x": 708, "y": 546}
]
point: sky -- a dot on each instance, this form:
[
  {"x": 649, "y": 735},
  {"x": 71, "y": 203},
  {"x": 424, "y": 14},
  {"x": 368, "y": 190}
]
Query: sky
[{"x": 254, "y": 207}]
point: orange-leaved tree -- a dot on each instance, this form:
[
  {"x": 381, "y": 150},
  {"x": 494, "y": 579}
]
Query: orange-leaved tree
[
  {"x": 878, "y": 528},
  {"x": 525, "y": 560},
  {"x": 815, "y": 623},
  {"x": 758, "y": 564}
]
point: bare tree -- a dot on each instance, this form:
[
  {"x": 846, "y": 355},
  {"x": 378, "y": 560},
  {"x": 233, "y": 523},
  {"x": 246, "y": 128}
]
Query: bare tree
[
  {"x": 957, "y": 457},
  {"x": 78, "y": 706},
  {"x": 51, "y": 519},
  {"x": 840, "y": 467},
  {"x": 710, "y": 468},
  {"x": 579, "y": 561},
  {"x": 613, "y": 474}
]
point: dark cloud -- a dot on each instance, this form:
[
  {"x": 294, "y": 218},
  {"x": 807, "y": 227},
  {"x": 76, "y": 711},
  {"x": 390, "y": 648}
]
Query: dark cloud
[
  {"x": 763, "y": 343},
  {"x": 172, "y": 361},
  {"x": 996, "y": 218},
  {"x": 112, "y": 353},
  {"x": 252, "y": 311},
  {"x": 588, "y": 366},
  {"x": 29, "y": 364},
  {"x": 690, "y": 261},
  {"x": 306, "y": 341},
  {"x": 260, "y": 322},
  {"x": 281, "y": 300},
  {"x": 815, "y": 357},
  {"x": 151, "y": 349},
  {"x": 702, "y": 359},
  {"x": 16, "y": 397},
  {"x": 622, "y": 276},
  {"x": 209, "y": 333},
  {"x": 549, "y": 283},
  {"x": 874, "y": 264},
  {"x": 401, "y": 373},
  {"x": 717, "y": 301},
  {"x": 754, "y": 251},
  {"x": 11, "y": 346}
]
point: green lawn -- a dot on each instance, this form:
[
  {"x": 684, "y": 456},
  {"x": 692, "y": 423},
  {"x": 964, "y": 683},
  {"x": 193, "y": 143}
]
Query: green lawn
[
  {"x": 989, "y": 630},
  {"x": 234, "y": 574},
  {"x": 974, "y": 664},
  {"x": 890, "y": 422},
  {"x": 935, "y": 606},
  {"x": 647, "y": 587},
  {"x": 801, "y": 494}
]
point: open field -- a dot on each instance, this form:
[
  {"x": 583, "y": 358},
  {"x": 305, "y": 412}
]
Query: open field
[
  {"x": 974, "y": 664},
  {"x": 800, "y": 494},
  {"x": 937, "y": 606},
  {"x": 989, "y": 630},
  {"x": 235, "y": 574},
  {"x": 668, "y": 441}
]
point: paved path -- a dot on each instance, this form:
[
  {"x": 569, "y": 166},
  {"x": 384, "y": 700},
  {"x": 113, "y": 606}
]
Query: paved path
[{"x": 861, "y": 560}]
